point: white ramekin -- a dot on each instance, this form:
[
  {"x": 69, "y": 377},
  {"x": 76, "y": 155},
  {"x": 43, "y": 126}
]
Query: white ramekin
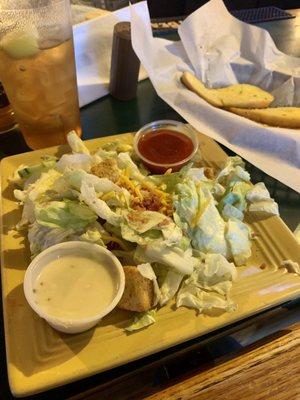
[{"x": 104, "y": 256}]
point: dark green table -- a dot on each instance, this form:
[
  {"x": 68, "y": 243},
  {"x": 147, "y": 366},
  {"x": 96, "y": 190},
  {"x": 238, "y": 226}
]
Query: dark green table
[{"x": 108, "y": 116}]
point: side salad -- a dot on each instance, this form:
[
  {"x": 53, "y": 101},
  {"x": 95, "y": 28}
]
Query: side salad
[{"x": 185, "y": 231}]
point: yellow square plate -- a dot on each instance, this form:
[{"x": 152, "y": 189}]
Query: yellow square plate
[{"x": 39, "y": 358}]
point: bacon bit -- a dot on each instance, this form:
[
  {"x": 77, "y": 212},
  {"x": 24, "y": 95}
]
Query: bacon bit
[
  {"x": 147, "y": 203},
  {"x": 263, "y": 266},
  {"x": 164, "y": 223},
  {"x": 209, "y": 172},
  {"x": 146, "y": 196}
]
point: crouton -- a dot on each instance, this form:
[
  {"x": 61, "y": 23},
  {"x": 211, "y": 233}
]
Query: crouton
[{"x": 139, "y": 291}]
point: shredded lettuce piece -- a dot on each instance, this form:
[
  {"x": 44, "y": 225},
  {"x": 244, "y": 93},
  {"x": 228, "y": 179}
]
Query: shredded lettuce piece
[
  {"x": 118, "y": 147},
  {"x": 258, "y": 192},
  {"x": 231, "y": 212},
  {"x": 93, "y": 234},
  {"x": 142, "y": 320},
  {"x": 76, "y": 144},
  {"x": 260, "y": 201},
  {"x": 195, "y": 207},
  {"x": 170, "y": 286},
  {"x": 25, "y": 175},
  {"x": 41, "y": 237},
  {"x": 182, "y": 261},
  {"x": 233, "y": 171},
  {"x": 236, "y": 195},
  {"x": 67, "y": 214},
  {"x": 125, "y": 162},
  {"x": 89, "y": 196},
  {"x": 209, "y": 233},
  {"x": 75, "y": 161},
  {"x": 101, "y": 185},
  {"x": 35, "y": 193},
  {"x": 143, "y": 227},
  {"x": 238, "y": 237},
  {"x": 168, "y": 182},
  {"x": 204, "y": 302},
  {"x": 209, "y": 285}
]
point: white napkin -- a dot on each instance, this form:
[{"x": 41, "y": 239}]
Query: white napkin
[
  {"x": 93, "y": 45},
  {"x": 221, "y": 50}
]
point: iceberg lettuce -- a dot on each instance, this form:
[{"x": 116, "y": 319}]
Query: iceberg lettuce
[
  {"x": 67, "y": 214},
  {"x": 195, "y": 206},
  {"x": 99, "y": 207},
  {"x": 170, "y": 286},
  {"x": 238, "y": 237},
  {"x": 174, "y": 257},
  {"x": 231, "y": 212},
  {"x": 204, "y": 302},
  {"x": 209, "y": 285},
  {"x": 234, "y": 200},
  {"x": 233, "y": 171},
  {"x": 208, "y": 235},
  {"x": 33, "y": 172},
  {"x": 142, "y": 320},
  {"x": 118, "y": 147},
  {"x": 41, "y": 237},
  {"x": 93, "y": 234},
  {"x": 187, "y": 201},
  {"x": 125, "y": 162},
  {"x": 198, "y": 174},
  {"x": 143, "y": 227},
  {"x": 71, "y": 162},
  {"x": 260, "y": 201},
  {"x": 35, "y": 193},
  {"x": 76, "y": 144},
  {"x": 264, "y": 208}
]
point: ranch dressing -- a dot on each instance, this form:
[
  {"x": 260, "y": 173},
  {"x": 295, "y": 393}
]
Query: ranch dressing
[{"x": 74, "y": 287}]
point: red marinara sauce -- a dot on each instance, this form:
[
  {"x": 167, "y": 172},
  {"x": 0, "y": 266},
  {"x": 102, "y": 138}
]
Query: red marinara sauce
[{"x": 165, "y": 147}]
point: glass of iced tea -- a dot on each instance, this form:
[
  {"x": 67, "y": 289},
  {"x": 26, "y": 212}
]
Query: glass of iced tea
[{"x": 37, "y": 69}]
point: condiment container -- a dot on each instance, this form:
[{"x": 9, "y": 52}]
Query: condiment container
[
  {"x": 78, "y": 249},
  {"x": 165, "y": 144},
  {"x": 125, "y": 65}
]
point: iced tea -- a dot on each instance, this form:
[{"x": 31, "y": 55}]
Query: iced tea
[{"x": 37, "y": 69}]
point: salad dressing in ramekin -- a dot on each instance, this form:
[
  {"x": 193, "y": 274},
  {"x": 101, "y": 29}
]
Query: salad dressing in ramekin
[{"x": 74, "y": 287}]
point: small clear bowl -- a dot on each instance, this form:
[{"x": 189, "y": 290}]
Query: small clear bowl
[
  {"x": 184, "y": 129},
  {"x": 74, "y": 325}
]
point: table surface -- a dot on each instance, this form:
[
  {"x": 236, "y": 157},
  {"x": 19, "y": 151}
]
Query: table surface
[{"x": 258, "y": 358}]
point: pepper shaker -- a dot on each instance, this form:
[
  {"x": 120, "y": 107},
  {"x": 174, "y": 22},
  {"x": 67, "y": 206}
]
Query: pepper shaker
[{"x": 125, "y": 64}]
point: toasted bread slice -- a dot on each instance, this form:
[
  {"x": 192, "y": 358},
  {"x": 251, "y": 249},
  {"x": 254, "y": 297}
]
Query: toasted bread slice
[
  {"x": 139, "y": 291},
  {"x": 284, "y": 117},
  {"x": 196, "y": 86},
  {"x": 240, "y": 95}
]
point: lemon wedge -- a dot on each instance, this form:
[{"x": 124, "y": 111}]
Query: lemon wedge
[{"x": 20, "y": 44}]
